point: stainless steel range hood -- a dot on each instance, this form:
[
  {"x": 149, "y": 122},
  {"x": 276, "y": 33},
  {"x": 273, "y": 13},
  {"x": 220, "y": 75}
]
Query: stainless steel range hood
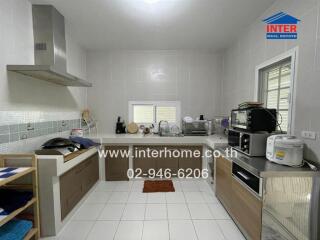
[{"x": 49, "y": 49}]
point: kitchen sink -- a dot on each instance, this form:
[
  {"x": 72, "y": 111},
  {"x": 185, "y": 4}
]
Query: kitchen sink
[{"x": 171, "y": 135}]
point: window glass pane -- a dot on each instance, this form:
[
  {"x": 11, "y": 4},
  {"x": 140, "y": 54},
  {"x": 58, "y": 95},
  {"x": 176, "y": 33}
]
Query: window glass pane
[
  {"x": 273, "y": 84},
  {"x": 143, "y": 113},
  {"x": 286, "y": 69},
  {"x": 273, "y": 73},
  {"x": 275, "y": 90},
  {"x": 285, "y": 81},
  {"x": 272, "y": 99},
  {"x": 284, "y": 98},
  {"x": 283, "y": 115},
  {"x": 166, "y": 113}
]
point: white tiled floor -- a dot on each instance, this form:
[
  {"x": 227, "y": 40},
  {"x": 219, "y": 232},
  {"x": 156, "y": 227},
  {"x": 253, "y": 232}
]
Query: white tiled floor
[{"x": 120, "y": 211}]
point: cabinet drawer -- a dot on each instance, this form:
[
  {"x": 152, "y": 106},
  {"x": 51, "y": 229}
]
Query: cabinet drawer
[
  {"x": 247, "y": 210},
  {"x": 116, "y": 167},
  {"x": 224, "y": 181},
  {"x": 75, "y": 183}
]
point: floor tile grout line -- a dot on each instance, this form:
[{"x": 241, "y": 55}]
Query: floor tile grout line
[
  {"x": 168, "y": 223},
  {"x": 120, "y": 220},
  {"x": 145, "y": 212},
  {"x": 114, "y": 236},
  {"x": 223, "y": 234},
  {"x": 194, "y": 228},
  {"x": 183, "y": 192}
]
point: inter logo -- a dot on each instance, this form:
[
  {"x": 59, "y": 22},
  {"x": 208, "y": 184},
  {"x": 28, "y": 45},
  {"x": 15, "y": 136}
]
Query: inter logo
[{"x": 281, "y": 26}]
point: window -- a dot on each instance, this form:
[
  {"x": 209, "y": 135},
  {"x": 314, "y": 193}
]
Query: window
[
  {"x": 275, "y": 87},
  {"x": 166, "y": 113},
  {"x": 147, "y": 112},
  {"x": 143, "y": 114}
]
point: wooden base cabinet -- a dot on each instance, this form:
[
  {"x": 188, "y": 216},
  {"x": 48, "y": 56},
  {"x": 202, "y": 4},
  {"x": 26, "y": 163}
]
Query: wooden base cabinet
[
  {"x": 224, "y": 181},
  {"x": 240, "y": 203},
  {"x": 188, "y": 159},
  {"x": 75, "y": 183},
  {"x": 247, "y": 210},
  {"x": 168, "y": 161},
  {"x": 116, "y": 167}
]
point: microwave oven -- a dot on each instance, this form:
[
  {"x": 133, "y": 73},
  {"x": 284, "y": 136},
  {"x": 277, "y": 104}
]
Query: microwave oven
[
  {"x": 254, "y": 119},
  {"x": 251, "y": 144}
]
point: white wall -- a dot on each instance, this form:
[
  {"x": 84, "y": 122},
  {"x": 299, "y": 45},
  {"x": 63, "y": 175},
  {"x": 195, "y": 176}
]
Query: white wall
[
  {"x": 191, "y": 77},
  {"x": 252, "y": 49},
  {"x": 16, "y": 47},
  {"x": 27, "y": 100}
]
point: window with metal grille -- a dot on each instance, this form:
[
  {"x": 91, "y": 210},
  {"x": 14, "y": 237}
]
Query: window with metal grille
[{"x": 275, "y": 90}]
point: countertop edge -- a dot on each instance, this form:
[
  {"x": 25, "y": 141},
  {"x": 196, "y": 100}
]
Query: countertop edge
[
  {"x": 212, "y": 141},
  {"x": 273, "y": 169},
  {"x": 62, "y": 166}
]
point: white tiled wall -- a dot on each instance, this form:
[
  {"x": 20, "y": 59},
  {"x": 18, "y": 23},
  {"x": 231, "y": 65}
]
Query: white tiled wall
[
  {"x": 252, "y": 49},
  {"x": 17, "y": 119},
  {"x": 191, "y": 77},
  {"x": 27, "y": 100},
  {"x": 16, "y": 47}
]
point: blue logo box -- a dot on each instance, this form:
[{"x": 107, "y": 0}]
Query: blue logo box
[{"x": 282, "y": 36}]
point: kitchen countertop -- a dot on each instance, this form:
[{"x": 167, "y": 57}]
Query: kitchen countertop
[
  {"x": 262, "y": 167},
  {"x": 212, "y": 141},
  {"x": 59, "y": 166}
]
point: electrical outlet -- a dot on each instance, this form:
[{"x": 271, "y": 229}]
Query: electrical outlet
[{"x": 309, "y": 135}]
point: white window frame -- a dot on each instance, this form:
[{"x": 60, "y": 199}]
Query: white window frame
[
  {"x": 176, "y": 104},
  {"x": 293, "y": 54}
]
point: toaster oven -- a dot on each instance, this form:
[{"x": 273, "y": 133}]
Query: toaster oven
[
  {"x": 251, "y": 144},
  {"x": 254, "y": 119}
]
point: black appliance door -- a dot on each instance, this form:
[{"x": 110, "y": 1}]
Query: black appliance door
[
  {"x": 239, "y": 119},
  {"x": 250, "y": 180},
  {"x": 233, "y": 138}
]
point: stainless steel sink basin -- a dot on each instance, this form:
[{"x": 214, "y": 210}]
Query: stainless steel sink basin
[{"x": 171, "y": 135}]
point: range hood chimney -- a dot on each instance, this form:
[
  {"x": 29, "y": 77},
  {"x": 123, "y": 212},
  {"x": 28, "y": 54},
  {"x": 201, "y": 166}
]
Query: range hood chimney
[{"x": 49, "y": 49}]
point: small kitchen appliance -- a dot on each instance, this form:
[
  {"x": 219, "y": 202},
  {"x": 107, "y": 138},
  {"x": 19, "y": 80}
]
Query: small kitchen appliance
[
  {"x": 285, "y": 150},
  {"x": 195, "y": 128},
  {"x": 254, "y": 119},
  {"x": 120, "y": 126},
  {"x": 251, "y": 144}
]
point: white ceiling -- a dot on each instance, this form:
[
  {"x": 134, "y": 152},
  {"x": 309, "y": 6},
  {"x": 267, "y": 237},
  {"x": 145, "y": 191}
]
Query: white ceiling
[{"x": 166, "y": 24}]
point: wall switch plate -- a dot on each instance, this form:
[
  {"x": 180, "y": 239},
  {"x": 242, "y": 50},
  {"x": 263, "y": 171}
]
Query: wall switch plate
[{"x": 309, "y": 135}]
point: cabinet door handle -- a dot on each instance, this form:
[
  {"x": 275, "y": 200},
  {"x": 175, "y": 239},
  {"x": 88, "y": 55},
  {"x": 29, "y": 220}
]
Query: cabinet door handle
[{"x": 243, "y": 175}]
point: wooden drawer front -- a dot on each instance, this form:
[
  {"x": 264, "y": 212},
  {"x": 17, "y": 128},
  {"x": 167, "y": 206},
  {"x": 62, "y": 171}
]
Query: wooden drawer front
[
  {"x": 167, "y": 161},
  {"x": 158, "y": 162},
  {"x": 117, "y": 166},
  {"x": 141, "y": 159},
  {"x": 75, "y": 183},
  {"x": 247, "y": 210},
  {"x": 224, "y": 182},
  {"x": 91, "y": 173},
  {"x": 188, "y": 159}
]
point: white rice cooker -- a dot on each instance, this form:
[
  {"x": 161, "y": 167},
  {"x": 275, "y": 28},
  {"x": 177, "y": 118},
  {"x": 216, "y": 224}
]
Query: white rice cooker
[{"x": 285, "y": 150}]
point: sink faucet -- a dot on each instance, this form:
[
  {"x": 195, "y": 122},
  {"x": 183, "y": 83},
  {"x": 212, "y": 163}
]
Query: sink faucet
[{"x": 159, "y": 128}]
